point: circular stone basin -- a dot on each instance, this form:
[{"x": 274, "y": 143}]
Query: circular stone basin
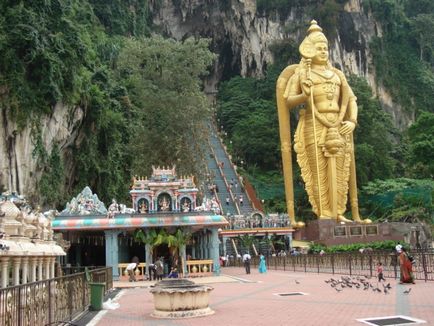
[{"x": 179, "y": 298}]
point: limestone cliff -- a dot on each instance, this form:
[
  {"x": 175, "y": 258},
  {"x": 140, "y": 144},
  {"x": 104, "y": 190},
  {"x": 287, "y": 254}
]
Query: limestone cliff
[
  {"x": 18, "y": 166},
  {"x": 242, "y": 38}
]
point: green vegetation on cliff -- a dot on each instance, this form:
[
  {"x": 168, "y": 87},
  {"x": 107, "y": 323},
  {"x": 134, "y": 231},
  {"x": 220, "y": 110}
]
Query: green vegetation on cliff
[
  {"x": 404, "y": 55},
  {"x": 141, "y": 96}
]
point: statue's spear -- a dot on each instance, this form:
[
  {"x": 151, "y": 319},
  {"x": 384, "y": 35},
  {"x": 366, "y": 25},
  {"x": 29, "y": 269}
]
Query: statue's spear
[{"x": 315, "y": 139}]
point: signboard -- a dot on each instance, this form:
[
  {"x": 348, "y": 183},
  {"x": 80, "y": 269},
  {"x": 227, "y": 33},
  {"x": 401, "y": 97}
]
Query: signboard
[
  {"x": 355, "y": 230},
  {"x": 372, "y": 230},
  {"x": 340, "y": 231}
]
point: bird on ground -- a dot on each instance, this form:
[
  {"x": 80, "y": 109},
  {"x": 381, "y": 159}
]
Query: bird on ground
[
  {"x": 387, "y": 287},
  {"x": 407, "y": 291},
  {"x": 297, "y": 282},
  {"x": 338, "y": 290}
]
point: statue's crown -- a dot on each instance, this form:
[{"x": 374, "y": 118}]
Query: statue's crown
[{"x": 314, "y": 27}]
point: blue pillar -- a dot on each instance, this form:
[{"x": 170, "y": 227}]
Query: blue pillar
[
  {"x": 209, "y": 246},
  {"x": 112, "y": 251},
  {"x": 202, "y": 246},
  {"x": 193, "y": 251},
  {"x": 225, "y": 239},
  {"x": 183, "y": 254},
  {"x": 214, "y": 250}
]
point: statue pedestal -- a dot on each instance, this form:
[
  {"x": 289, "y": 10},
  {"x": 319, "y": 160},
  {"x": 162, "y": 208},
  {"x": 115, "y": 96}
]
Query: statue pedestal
[{"x": 330, "y": 232}]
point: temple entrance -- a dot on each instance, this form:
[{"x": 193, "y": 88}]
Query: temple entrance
[{"x": 87, "y": 249}]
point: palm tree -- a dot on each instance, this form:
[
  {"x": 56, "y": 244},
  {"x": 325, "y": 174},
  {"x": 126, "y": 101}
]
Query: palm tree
[
  {"x": 149, "y": 238},
  {"x": 276, "y": 241},
  {"x": 247, "y": 241},
  {"x": 178, "y": 242}
]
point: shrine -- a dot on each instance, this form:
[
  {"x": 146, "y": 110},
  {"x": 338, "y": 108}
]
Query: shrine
[
  {"x": 28, "y": 250},
  {"x": 101, "y": 236}
]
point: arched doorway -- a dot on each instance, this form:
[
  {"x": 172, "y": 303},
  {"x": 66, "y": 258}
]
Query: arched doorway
[
  {"x": 185, "y": 205},
  {"x": 143, "y": 206},
  {"x": 164, "y": 202}
]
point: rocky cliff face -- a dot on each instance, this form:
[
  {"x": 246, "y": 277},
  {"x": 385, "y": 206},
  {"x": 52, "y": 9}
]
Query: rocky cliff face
[
  {"x": 242, "y": 38},
  {"x": 18, "y": 166}
]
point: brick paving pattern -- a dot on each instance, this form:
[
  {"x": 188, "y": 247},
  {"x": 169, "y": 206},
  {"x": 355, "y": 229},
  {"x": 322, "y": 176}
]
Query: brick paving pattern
[{"x": 254, "y": 302}]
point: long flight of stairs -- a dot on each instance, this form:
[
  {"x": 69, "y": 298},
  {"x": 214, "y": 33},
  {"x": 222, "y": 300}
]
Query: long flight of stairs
[{"x": 225, "y": 175}]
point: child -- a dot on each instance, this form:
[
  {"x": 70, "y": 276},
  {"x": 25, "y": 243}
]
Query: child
[{"x": 380, "y": 272}]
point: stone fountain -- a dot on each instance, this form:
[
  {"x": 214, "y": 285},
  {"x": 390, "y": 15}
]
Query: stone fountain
[{"x": 180, "y": 298}]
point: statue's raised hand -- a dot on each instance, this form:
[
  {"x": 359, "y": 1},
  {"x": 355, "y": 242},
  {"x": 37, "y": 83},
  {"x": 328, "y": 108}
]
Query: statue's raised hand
[{"x": 306, "y": 86}]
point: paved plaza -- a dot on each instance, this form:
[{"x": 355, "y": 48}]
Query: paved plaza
[{"x": 240, "y": 299}]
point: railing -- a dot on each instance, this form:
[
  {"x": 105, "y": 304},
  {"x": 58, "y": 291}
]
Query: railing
[
  {"x": 197, "y": 268},
  {"x": 140, "y": 271},
  {"x": 348, "y": 264},
  {"x": 46, "y": 302}
]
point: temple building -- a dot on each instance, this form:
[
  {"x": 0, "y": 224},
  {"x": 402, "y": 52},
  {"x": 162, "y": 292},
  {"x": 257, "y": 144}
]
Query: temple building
[{"x": 101, "y": 236}]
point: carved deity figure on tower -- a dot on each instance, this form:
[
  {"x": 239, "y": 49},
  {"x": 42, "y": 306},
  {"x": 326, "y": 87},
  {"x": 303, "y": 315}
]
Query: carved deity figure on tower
[
  {"x": 164, "y": 204},
  {"x": 323, "y": 140},
  {"x": 143, "y": 208}
]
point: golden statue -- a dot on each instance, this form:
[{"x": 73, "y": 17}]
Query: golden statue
[{"x": 323, "y": 140}]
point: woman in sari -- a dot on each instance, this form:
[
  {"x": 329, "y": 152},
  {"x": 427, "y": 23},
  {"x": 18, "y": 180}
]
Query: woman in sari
[
  {"x": 405, "y": 267},
  {"x": 262, "y": 266}
]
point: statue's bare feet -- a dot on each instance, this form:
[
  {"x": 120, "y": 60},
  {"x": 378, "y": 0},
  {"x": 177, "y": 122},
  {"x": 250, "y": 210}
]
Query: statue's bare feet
[
  {"x": 297, "y": 225},
  {"x": 342, "y": 218},
  {"x": 365, "y": 221},
  {"x": 300, "y": 225}
]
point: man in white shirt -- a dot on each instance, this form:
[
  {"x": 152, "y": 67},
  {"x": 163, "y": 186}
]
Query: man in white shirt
[
  {"x": 130, "y": 269},
  {"x": 246, "y": 261}
]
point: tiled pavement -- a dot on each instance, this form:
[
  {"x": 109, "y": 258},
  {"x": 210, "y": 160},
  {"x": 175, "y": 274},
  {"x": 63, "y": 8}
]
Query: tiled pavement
[{"x": 253, "y": 302}]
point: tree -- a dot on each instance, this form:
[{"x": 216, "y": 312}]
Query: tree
[
  {"x": 373, "y": 136},
  {"x": 422, "y": 27},
  {"x": 148, "y": 238},
  {"x": 401, "y": 199},
  {"x": 171, "y": 112},
  {"x": 177, "y": 243},
  {"x": 247, "y": 241},
  {"x": 421, "y": 139}
]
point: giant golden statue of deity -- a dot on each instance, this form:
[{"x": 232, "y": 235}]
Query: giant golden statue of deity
[{"x": 323, "y": 140}]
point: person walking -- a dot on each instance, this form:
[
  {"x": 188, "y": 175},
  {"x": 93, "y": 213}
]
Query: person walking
[
  {"x": 246, "y": 261},
  {"x": 262, "y": 266},
  {"x": 159, "y": 268},
  {"x": 380, "y": 272},
  {"x": 405, "y": 267}
]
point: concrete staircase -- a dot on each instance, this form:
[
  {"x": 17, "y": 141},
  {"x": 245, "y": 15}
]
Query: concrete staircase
[{"x": 226, "y": 179}]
